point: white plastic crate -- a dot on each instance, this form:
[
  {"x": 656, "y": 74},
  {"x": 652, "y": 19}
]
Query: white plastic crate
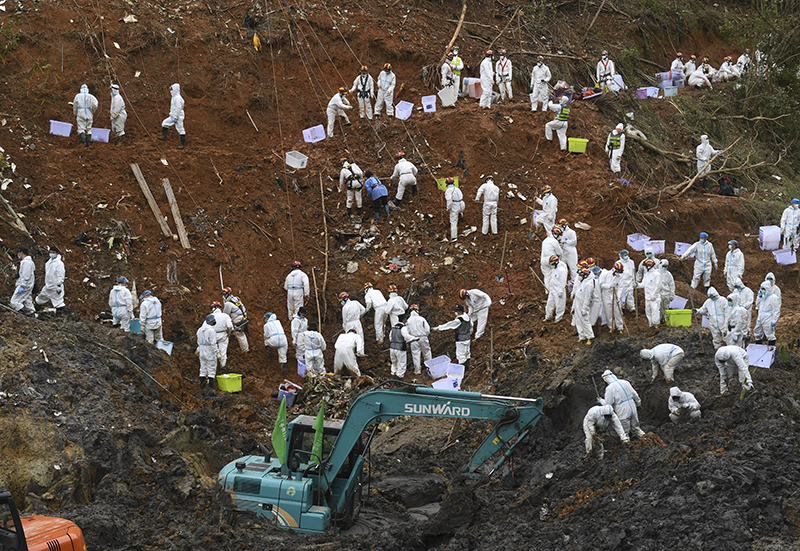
[
  {"x": 678, "y": 303},
  {"x": 60, "y": 128},
  {"x": 166, "y": 346},
  {"x": 314, "y": 134},
  {"x": 636, "y": 241},
  {"x": 681, "y": 248},
  {"x": 448, "y": 383},
  {"x": 429, "y": 104},
  {"x": 761, "y": 355},
  {"x": 295, "y": 159},
  {"x": 657, "y": 246},
  {"x": 670, "y": 91},
  {"x": 785, "y": 257},
  {"x": 100, "y": 134},
  {"x": 447, "y": 96},
  {"x": 437, "y": 367},
  {"x": 403, "y": 110},
  {"x": 769, "y": 237}
]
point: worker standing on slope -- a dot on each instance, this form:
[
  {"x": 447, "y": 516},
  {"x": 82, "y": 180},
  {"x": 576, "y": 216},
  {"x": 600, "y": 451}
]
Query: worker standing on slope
[
  {"x": 406, "y": 175},
  {"x": 223, "y": 328},
  {"x": 386, "y": 83},
  {"x": 569, "y": 246},
  {"x": 478, "y": 304},
  {"x": 395, "y": 305},
  {"x": 615, "y": 147},
  {"x": 150, "y": 317},
  {"x": 454, "y": 204},
  {"x": 236, "y": 310},
  {"x": 651, "y": 283},
  {"x": 557, "y": 294},
  {"x": 275, "y": 337},
  {"x": 582, "y": 296},
  {"x": 560, "y": 123},
  {"x": 83, "y": 107},
  {"x": 176, "y": 115},
  {"x": 790, "y": 225},
  {"x": 605, "y": 73},
  {"x": 734, "y": 264},
  {"x": 352, "y": 310},
  {"x": 462, "y": 328},
  {"x": 419, "y": 329},
  {"x": 374, "y": 299},
  {"x": 716, "y": 309},
  {"x": 337, "y": 106},
  {"x": 118, "y": 114},
  {"x": 503, "y": 72},
  {"x": 53, "y": 289},
  {"x": 314, "y": 346},
  {"x": 346, "y": 348},
  {"x": 399, "y": 338},
  {"x": 491, "y": 194},
  {"x": 350, "y": 178},
  {"x": 297, "y": 288},
  {"x": 487, "y": 80},
  {"x": 207, "y": 350},
  {"x": 364, "y": 86},
  {"x": 623, "y": 398},
  {"x": 120, "y": 301},
  {"x": 540, "y": 76},
  {"x": 549, "y": 204},
  {"x": 703, "y": 260}
]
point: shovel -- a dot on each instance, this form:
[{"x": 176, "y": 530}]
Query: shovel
[
  {"x": 694, "y": 320},
  {"x": 499, "y": 277}
]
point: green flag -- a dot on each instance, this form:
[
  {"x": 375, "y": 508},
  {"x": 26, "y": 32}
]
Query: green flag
[
  {"x": 319, "y": 424},
  {"x": 279, "y": 434}
]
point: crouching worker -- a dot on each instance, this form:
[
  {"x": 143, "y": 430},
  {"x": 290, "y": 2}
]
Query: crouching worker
[
  {"x": 597, "y": 420},
  {"x": 682, "y": 402}
]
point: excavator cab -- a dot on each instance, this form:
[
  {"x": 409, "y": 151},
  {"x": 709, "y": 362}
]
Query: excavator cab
[
  {"x": 35, "y": 533},
  {"x": 12, "y": 538}
]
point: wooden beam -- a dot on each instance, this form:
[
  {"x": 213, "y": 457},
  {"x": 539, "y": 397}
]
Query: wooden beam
[
  {"x": 16, "y": 221},
  {"x": 151, "y": 200},
  {"x": 176, "y": 213}
]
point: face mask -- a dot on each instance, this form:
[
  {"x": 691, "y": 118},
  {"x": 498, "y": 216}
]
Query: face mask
[
  {"x": 540, "y": 63},
  {"x": 730, "y": 304},
  {"x": 714, "y": 298},
  {"x": 649, "y": 255},
  {"x": 794, "y": 206},
  {"x": 703, "y": 241},
  {"x": 605, "y": 57},
  {"x": 53, "y": 255},
  {"x": 730, "y": 247}
]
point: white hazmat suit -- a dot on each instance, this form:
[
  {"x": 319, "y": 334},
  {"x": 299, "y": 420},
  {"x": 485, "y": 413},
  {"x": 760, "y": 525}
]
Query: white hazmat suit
[
  {"x": 337, "y": 106},
  {"x": 364, "y": 87},
  {"x": 604, "y": 73},
  {"x": 598, "y": 419},
  {"x": 53, "y": 289},
  {"x": 314, "y": 346},
  {"x": 698, "y": 78},
  {"x": 558, "y": 124},
  {"x": 557, "y": 292},
  {"x": 118, "y": 113},
  {"x": 716, "y": 310},
  {"x": 569, "y": 248},
  {"x": 746, "y": 298},
  {"x": 734, "y": 266},
  {"x": 352, "y": 310},
  {"x": 665, "y": 358},
  {"x": 682, "y": 402},
  {"x": 208, "y": 350},
  {"x": 491, "y": 194},
  {"x": 704, "y": 258},
  {"x": 582, "y": 296},
  {"x": 769, "y": 311},
  {"x": 550, "y": 247},
  {"x": 623, "y": 398},
  {"x": 651, "y": 283},
  {"x": 540, "y": 76},
  {"x": 299, "y": 327},
  {"x": 615, "y": 147},
  {"x": 549, "y": 204},
  {"x": 729, "y": 361},
  {"x": 790, "y": 226},
  {"x": 478, "y": 304},
  {"x": 704, "y": 153},
  {"x": 176, "y": 110},
  {"x": 236, "y": 310},
  {"x": 83, "y": 107},
  {"x": 455, "y": 206},
  {"x": 399, "y": 338},
  {"x": 406, "y": 175},
  {"x": 737, "y": 322},
  {"x": 223, "y": 328},
  {"x": 420, "y": 348},
  {"x": 503, "y": 72},
  {"x": 374, "y": 299},
  {"x": 396, "y": 306},
  {"x": 487, "y": 80},
  {"x": 150, "y": 318},
  {"x": 120, "y": 301},
  {"x": 462, "y": 327},
  {"x": 386, "y": 83},
  {"x": 346, "y": 348},
  {"x": 297, "y": 288},
  {"x": 350, "y": 180}
]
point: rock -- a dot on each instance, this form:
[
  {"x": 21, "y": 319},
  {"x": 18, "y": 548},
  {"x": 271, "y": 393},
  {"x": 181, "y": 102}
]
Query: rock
[{"x": 352, "y": 267}]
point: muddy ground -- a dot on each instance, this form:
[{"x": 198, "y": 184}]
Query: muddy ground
[{"x": 102, "y": 429}]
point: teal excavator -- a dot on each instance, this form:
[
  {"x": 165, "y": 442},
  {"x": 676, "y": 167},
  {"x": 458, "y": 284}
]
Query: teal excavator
[{"x": 310, "y": 494}]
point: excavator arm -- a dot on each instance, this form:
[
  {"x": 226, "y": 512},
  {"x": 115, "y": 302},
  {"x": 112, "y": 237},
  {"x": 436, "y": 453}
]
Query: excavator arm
[{"x": 513, "y": 421}]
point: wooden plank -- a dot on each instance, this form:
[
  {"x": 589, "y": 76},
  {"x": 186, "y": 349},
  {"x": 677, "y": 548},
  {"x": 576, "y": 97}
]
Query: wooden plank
[
  {"x": 176, "y": 213},
  {"x": 151, "y": 200}
]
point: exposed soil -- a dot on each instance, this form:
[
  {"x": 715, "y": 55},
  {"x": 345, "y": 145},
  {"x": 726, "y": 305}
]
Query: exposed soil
[{"x": 131, "y": 452}]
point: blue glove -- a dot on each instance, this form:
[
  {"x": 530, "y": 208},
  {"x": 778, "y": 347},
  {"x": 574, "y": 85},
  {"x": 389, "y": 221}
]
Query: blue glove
[
  {"x": 20, "y": 289},
  {"x": 174, "y": 121},
  {"x": 773, "y": 325}
]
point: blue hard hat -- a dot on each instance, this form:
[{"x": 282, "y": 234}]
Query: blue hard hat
[
  {"x": 211, "y": 319},
  {"x": 795, "y": 201},
  {"x": 146, "y": 294},
  {"x": 703, "y": 235},
  {"x": 624, "y": 252}
]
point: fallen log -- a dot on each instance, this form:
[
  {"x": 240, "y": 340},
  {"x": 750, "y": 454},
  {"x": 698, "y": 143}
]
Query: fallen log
[
  {"x": 151, "y": 200},
  {"x": 176, "y": 213}
]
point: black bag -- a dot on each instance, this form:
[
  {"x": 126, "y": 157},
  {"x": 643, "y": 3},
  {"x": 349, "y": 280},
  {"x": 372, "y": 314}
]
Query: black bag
[{"x": 726, "y": 187}]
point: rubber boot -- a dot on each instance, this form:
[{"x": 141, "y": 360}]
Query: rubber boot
[
  {"x": 183, "y": 141},
  {"x": 466, "y": 366},
  {"x": 349, "y": 211},
  {"x": 120, "y": 140},
  {"x": 413, "y": 191},
  {"x": 771, "y": 343},
  {"x": 88, "y": 138},
  {"x": 269, "y": 352},
  {"x": 283, "y": 370},
  {"x": 358, "y": 212},
  {"x": 398, "y": 202},
  {"x": 759, "y": 341},
  {"x": 83, "y": 138},
  {"x": 163, "y": 135}
]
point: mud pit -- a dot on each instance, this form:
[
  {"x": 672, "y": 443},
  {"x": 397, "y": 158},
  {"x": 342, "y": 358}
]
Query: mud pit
[{"x": 88, "y": 436}]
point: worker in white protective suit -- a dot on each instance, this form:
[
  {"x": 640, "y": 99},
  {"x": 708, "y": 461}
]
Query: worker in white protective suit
[
  {"x": 704, "y": 258},
  {"x": 550, "y": 247},
  {"x": 176, "y": 115},
  {"x": 746, "y": 298},
  {"x": 598, "y": 419},
  {"x": 680, "y": 403},
  {"x": 406, "y": 175},
  {"x": 351, "y": 179},
  {"x": 337, "y": 106},
  {"x": 235, "y": 309},
  {"x": 118, "y": 114},
  {"x": 53, "y": 290},
  {"x": 346, "y": 347},
  {"x": 352, "y": 310},
  {"x": 395, "y": 305},
  {"x": 716, "y": 310},
  {"x": 737, "y": 322},
  {"x": 569, "y": 247},
  {"x": 677, "y": 63},
  {"x": 454, "y": 204},
  {"x": 667, "y": 288},
  {"x": 549, "y": 204},
  {"x": 610, "y": 282},
  {"x": 478, "y": 304},
  {"x": 663, "y": 358},
  {"x": 150, "y": 317},
  {"x": 458, "y": 66},
  {"x": 462, "y": 326},
  {"x": 699, "y": 78},
  {"x": 627, "y": 280},
  {"x": 223, "y": 328},
  {"x": 560, "y": 123},
  {"x": 419, "y": 329},
  {"x": 275, "y": 337},
  {"x": 487, "y": 80},
  {"x": 769, "y": 311},
  {"x": 207, "y": 350},
  {"x": 790, "y": 225},
  {"x": 297, "y": 288},
  {"x": 503, "y": 73},
  {"x": 540, "y": 76},
  {"x": 120, "y": 301},
  {"x": 727, "y": 71},
  {"x": 648, "y": 254},
  {"x": 491, "y": 195},
  {"x": 605, "y": 73},
  {"x": 596, "y": 312},
  {"x": 729, "y": 361},
  {"x": 582, "y": 295},
  {"x": 704, "y": 153},
  {"x": 734, "y": 264},
  {"x": 448, "y": 74},
  {"x": 623, "y": 398},
  {"x": 314, "y": 345},
  {"x": 364, "y": 87},
  {"x": 374, "y": 299},
  {"x": 386, "y": 83},
  {"x": 690, "y": 66},
  {"x": 299, "y": 327},
  {"x": 83, "y": 107},
  {"x": 743, "y": 62},
  {"x": 651, "y": 283},
  {"x": 615, "y": 147},
  {"x": 399, "y": 339},
  {"x": 775, "y": 289},
  {"x": 557, "y": 292}
]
